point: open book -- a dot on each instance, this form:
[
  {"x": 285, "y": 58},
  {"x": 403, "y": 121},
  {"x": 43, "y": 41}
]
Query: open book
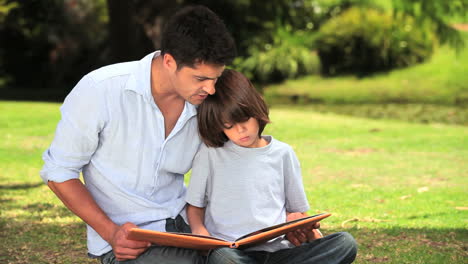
[{"x": 186, "y": 240}]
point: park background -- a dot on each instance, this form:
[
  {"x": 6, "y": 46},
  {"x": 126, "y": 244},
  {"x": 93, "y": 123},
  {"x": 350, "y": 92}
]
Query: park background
[{"x": 372, "y": 95}]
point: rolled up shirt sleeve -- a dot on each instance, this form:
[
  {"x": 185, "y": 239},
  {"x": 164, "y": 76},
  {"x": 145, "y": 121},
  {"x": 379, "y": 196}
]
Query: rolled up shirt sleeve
[{"x": 77, "y": 133}]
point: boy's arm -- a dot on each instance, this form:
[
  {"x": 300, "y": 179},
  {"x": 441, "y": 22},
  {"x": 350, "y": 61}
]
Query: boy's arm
[
  {"x": 196, "y": 219},
  {"x": 296, "y": 201}
]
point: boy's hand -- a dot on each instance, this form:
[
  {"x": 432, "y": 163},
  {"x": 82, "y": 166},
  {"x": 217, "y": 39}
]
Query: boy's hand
[
  {"x": 303, "y": 235},
  {"x": 315, "y": 234},
  {"x": 202, "y": 231}
]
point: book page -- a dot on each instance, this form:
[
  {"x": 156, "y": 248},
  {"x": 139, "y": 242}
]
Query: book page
[{"x": 268, "y": 233}]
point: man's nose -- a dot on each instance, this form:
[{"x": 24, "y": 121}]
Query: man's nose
[{"x": 209, "y": 88}]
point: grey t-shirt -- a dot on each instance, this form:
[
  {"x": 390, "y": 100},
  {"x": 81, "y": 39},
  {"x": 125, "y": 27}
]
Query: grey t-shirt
[{"x": 247, "y": 189}]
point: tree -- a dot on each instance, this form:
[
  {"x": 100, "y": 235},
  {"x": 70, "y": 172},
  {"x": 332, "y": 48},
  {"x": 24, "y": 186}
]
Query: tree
[
  {"x": 439, "y": 13},
  {"x": 127, "y": 40},
  {"x": 50, "y": 43}
]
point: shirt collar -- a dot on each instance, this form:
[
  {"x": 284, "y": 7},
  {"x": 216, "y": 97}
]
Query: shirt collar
[
  {"x": 140, "y": 79},
  {"x": 140, "y": 82}
]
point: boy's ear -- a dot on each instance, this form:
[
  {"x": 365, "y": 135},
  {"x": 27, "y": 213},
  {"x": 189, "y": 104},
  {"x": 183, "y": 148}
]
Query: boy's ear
[{"x": 169, "y": 62}]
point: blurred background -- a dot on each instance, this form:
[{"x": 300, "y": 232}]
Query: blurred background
[{"x": 326, "y": 53}]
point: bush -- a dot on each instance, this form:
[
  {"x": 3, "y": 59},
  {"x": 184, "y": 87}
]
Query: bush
[
  {"x": 364, "y": 41},
  {"x": 289, "y": 56}
]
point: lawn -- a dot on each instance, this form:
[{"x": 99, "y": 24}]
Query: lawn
[
  {"x": 434, "y": 91},
  {"x": 398, "y": 187},
  {"x": 440, "y": 80}
]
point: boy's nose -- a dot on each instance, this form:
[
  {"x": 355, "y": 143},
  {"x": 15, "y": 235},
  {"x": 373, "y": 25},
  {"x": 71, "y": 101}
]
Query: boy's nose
[{"x": 240, "y": 128}]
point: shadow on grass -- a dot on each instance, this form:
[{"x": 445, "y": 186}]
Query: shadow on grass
[
  {"x": 14, "y": 210},
  {"x": 20, "y": 186},
  {"x": 410, "y": 245},
  {"x": 45, "y": 232},
  {"x": 34, "y": 211},
  {"x": 52, "y": 242},
  {"x": 418, "y": 113},
  {"x": 36, "y": 231},
  {"x": 37, "y": 242}
]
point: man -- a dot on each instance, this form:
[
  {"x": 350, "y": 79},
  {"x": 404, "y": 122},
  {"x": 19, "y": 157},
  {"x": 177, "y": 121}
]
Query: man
[{"x": 131, "y": 129}]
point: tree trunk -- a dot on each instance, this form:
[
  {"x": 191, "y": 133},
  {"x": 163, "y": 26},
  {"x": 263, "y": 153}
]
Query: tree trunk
[{"x": 127, "y": 38}]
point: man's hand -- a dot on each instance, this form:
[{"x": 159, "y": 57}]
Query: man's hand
[
  {"x": 302, "y": 235},
  {"x": 123, "y": 248}
]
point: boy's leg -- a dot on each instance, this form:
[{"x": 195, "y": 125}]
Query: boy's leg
[
  {"x": 227, "y": 255},
  {"x": 335, "y": 248}
]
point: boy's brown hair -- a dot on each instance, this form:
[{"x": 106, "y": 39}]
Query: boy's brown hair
[{"x": 235, "y": 101}]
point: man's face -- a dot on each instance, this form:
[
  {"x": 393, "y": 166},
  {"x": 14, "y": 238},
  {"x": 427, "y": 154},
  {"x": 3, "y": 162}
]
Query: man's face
[{"x": 195, "y": 84}]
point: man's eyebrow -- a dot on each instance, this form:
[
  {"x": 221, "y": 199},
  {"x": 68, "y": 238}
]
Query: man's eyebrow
[{"x": 206, "y": 78}]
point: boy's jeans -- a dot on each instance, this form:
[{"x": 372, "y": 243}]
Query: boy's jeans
[{"x": 335, "y": 248}]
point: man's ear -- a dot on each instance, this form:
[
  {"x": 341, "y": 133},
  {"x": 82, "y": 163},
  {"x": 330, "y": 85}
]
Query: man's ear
[{"x": 169, "y": 62}]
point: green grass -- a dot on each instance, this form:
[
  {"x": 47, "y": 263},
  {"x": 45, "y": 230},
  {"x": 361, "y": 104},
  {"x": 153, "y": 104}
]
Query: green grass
[
  {"x": 419, "y": 113},
  {"x": 34, "y": 226},
  {"x": 441, "y": 80},
  {"x": 398, "y": 187}
]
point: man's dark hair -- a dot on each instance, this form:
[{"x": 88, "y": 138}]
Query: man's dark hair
[
  {"x": 235, "y": 101},
  {"x": 195, "y": 34}
]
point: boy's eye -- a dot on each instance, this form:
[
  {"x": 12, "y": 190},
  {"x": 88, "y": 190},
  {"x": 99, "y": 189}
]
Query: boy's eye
[{"x": 227, "y": 125}]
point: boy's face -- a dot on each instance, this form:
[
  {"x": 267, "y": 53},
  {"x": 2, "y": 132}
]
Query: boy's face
[
  {"x": 195, "y": 84},
  {"x": 244, "y": 134}
]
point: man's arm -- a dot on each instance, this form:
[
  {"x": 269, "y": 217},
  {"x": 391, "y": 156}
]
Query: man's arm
[
  {"x": 305, "y": 234},
  {"x": 196, "y": 219},
  {"x": 77, "y": 198}
]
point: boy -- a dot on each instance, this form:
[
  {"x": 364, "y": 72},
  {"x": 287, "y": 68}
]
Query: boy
[{"x": 242, "y": 181}]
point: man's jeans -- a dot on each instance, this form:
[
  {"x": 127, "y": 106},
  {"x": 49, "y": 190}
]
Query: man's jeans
[
  {"x": 159, "y": 254},
  {"x": 335, "y": 248}
]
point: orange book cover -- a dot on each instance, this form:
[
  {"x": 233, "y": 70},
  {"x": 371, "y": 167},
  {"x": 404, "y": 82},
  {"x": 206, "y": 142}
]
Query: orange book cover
[{"x": 187, "y": 240}]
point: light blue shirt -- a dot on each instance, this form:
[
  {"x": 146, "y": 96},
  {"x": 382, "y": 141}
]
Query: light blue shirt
[{"x": 113, "y": 132}]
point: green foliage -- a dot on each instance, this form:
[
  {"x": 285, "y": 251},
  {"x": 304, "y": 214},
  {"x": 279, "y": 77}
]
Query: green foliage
[
  {"x": 288, "y": 56},
  {"x": 366, "y": 40},
  {"x": 47, "y": 43},
  {"x": 259, "y": 20},
  {"x": 5, "y": 8},
  {"x": 255, "y": 23},
  {"x": 438, "y": 13}
]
